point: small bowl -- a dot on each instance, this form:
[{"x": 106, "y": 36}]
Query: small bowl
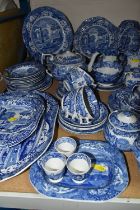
[
  {"x": 53, "y": 164},
  {"x": 79, "y": 165},
  {"x": 122, "y": 129},
  {"x": 65, "y": 145}
]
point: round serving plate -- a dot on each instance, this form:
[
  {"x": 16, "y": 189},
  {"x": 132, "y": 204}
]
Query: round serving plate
[{"x": 46, "y": 30}]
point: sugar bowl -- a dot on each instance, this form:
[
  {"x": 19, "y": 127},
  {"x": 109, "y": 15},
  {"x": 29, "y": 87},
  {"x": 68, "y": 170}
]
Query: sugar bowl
[{"x": 122, "y": 129}]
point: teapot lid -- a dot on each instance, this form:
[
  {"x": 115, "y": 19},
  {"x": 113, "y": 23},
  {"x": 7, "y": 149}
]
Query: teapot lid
[
  {"x": 68, "y": 58},
  {"x": 125, "y": 121}
]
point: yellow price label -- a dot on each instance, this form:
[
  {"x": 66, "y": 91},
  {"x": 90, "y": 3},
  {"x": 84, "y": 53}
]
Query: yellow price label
[
  {"x": 12, "y": 119},
  {"x": 99, "y": 167},
  {"x": 135, "y": 60}
]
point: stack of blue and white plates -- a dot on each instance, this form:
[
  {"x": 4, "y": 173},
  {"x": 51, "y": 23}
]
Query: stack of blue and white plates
[
  {"x": 27, "y": 124},
  {"x": 27, "y": 76}
]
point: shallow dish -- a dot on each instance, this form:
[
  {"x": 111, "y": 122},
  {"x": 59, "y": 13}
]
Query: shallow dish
[{"x": 117, "y": 185}]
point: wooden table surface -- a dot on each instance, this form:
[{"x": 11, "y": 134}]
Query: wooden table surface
[{"x": 21, "y": 182}]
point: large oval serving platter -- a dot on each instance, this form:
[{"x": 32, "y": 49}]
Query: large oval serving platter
[
  {"x": 117, "y": 185},
  {"x": 15, "y": 160}
]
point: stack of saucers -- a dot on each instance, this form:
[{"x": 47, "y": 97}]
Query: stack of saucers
[
  {"x": 81, "y": 112},
  {"x": 27, "y": 76}
]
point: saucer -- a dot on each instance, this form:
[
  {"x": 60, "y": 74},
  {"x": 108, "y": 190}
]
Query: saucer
[
  {"x": 82, "y": 131},
  {"x": 116, "y": 186},
  {"x": 17, "y": 159},
  {"x": 113, "y": 87},
  {"x": 72, "y": 122}
]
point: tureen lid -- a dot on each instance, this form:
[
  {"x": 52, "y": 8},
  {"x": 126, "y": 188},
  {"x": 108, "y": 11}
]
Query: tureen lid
[
  {"x": 125, "y": 120},
  {"x": 69, "y": 58}
]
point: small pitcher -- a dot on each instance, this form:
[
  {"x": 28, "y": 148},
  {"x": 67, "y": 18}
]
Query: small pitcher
[{"x": 105, "y": 68}]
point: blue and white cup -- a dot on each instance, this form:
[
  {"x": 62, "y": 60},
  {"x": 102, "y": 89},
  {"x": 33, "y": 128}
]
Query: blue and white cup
[
  {"x": 53, "y": 164},
  {"x": 79, "y": 165},
  {"x": 65, "y": 145}
]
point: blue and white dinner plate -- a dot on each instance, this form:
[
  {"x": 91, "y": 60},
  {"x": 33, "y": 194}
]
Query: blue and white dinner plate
[
  {"x": 116, "y": 186},
  {"x": 129, "y": 37},
  {"x": 96, "y": 34},
  {"x": 47, "y": 31},
  {"x": 15, "y": 160}
]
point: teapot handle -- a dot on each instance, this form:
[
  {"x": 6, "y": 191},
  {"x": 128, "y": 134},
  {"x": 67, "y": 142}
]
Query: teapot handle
[
  {"x": 92, "y": 60},
  {"x": 45, "y": 58},
  {"x": 136, "y": 90}
]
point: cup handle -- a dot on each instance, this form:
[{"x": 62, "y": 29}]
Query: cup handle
[
  {"x": 92, "y": 60},
  {"x": 66, "y": 85}
]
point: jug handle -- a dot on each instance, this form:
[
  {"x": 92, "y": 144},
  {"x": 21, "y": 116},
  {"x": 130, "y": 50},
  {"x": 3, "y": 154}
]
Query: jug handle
[
  {"x": 44, "y": 61},
  {"x": 92, "y": 60}
]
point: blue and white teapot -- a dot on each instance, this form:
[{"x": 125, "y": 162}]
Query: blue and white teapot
[
  {"x": 106, "y": 69},
  {"x": 61, "y": 64}
]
